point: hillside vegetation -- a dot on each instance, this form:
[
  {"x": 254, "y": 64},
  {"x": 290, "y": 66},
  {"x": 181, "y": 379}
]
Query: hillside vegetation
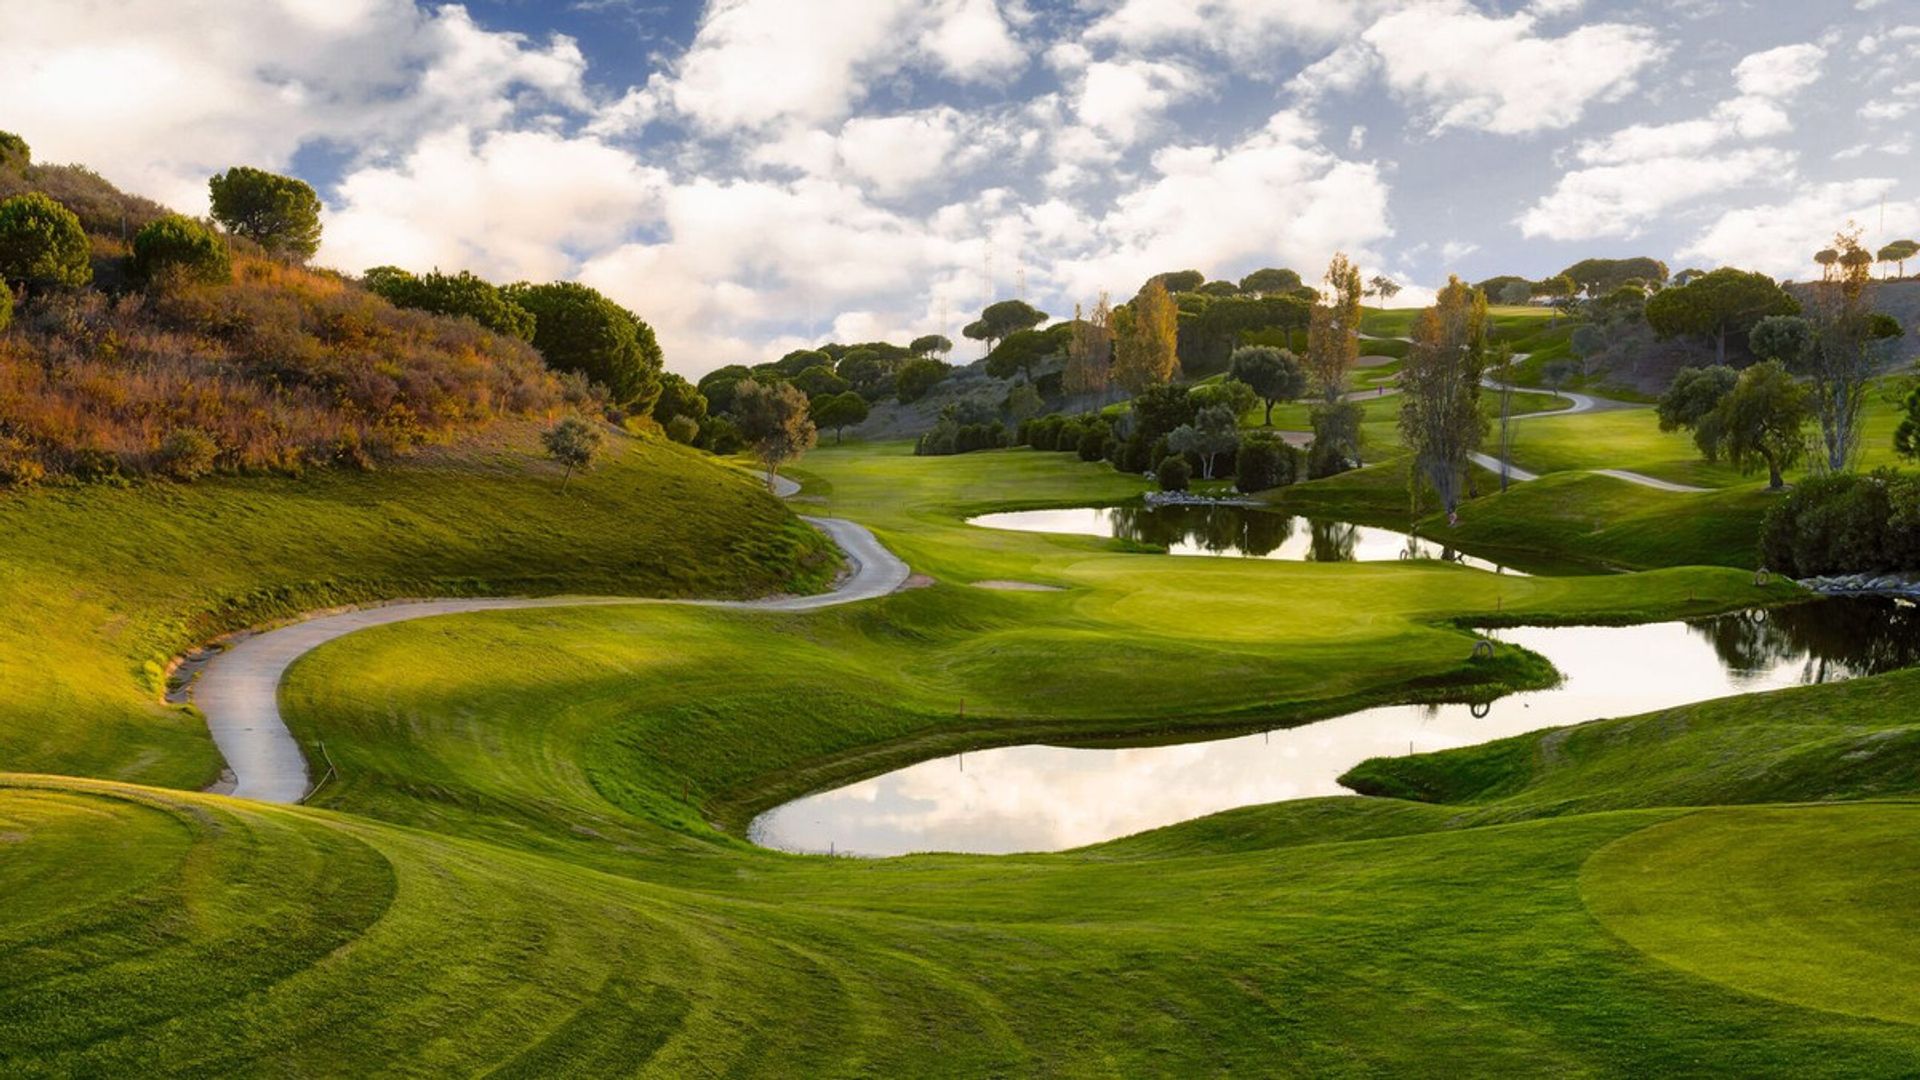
[{"x": 146, "y": 343}]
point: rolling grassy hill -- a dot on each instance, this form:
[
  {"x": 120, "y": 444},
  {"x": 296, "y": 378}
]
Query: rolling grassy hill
[
  {"x": 103, "y": 585},
  {"x": 532, "y": 862}
]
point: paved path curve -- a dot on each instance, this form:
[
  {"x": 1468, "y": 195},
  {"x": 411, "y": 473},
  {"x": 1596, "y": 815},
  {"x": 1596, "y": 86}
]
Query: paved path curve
[
  {"x": 1520, "y": 475},
  {"x": 239, "y": 689}
]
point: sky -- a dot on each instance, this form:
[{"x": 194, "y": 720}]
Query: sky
[{"x": 752, "y": 176}]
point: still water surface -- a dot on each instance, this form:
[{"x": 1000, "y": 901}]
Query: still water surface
[
  {"x": 1234, "y": 531},
  {"x": 1048, "y": 798}
]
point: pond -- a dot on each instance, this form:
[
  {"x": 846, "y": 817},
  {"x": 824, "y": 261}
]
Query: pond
[
  {"x": 1048, "y": 798},
  {"x": 1235, "y": 531}
]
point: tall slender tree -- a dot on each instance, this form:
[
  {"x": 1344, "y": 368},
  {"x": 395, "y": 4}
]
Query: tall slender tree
[
  {"x": 1147, "y": 354},
  {"x": 1440, "y": 418},
  {"x": 1333, "y": 332},
  {"x": 1090, "y": 353},
  {"x": 1842, "y": 359}
]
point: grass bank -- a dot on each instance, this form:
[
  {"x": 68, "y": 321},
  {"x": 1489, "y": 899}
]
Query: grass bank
[{"x": 102, "y": 585}]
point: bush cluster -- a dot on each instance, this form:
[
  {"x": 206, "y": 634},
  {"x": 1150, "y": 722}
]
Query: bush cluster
[
  {"x": 1065, "y": 433},
  {"x": 950, "y": 437},
  {"x": 1266, "y": 461},
  {"x": 1844, "y": 524},
  {"x": 281, "y": 369},
  {"x": 1261, "y": 461}
]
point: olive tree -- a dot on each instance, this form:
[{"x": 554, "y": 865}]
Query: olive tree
[
  {"x": 774, "y": 421},
  {"x": 1215, "y": 430},
  {"x": 1760, "y": 422},
  {"x": 572, "y": 442}
]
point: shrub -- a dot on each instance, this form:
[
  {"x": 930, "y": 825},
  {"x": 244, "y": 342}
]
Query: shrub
[
  {"x": 94, "y": 466},
  {"x": 1266, "y": 461},
  {"x": 187, "y": 454},
  {"x": 102, "y": 208},
  {"x": 1159, "y": 409},
  {"x": 950, "y": 436},
  {"x": 180, "y": 245},
  {"x": 19, "y": 467},
  {"x": 461, "y": 294},
  {"x": 720, "y": 435},
  {"x": 6, "y": 306},
  {"x": 1845, "y": 523},
  {"x": 14, "y": 152},
  {"x": 41, "y": 243},
  {"x": 1044, "y": 433},
  {"x": 683, "y": 429},
  {"x": 1173, "y": 474},
  {"x": 1093, "y": 443},
  {"x": 1134, "y": 455}
]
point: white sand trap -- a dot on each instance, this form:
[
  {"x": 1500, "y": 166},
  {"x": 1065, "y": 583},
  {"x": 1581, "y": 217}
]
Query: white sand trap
[{"x": 1017, "y": 586}]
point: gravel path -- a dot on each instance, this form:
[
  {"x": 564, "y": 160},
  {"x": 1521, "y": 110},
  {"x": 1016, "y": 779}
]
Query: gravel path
[{"x": 239, "y": 689}]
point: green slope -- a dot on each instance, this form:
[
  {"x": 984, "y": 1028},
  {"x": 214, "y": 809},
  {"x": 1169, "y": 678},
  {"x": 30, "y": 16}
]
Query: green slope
[
  {"x": 103, "y": 585},
  {"x": 531, "y": 861}
]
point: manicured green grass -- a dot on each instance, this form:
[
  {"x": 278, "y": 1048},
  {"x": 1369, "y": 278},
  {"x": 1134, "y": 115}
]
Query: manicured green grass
[
  {"x": 216, "y": 937},
  {"x": 1706, "y": 894},
  {"x": 1851, "y": 740},
  {"x": 1612, "y": 523},
  {"x": 102, "y": 585},
  {"x": 1631, "y": 439},
  {"x": 531, "y": 859}
]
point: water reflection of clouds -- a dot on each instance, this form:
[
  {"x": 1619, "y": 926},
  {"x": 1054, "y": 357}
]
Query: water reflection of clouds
[
  {"x": 1043, "y": 798},
  {"x": 1232, "y": 531}
]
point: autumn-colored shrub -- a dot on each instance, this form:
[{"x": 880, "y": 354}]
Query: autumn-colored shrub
[
  {"x": 271, "y": 367},
  {"x": 282, "y": 369},
  {"x": 187, "y": 454}
]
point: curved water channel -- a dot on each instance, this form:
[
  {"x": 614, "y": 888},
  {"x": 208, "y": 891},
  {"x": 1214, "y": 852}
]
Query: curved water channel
[
  {"x": 1035, "y": 798},
  {"x": 1230, "y": 531}
]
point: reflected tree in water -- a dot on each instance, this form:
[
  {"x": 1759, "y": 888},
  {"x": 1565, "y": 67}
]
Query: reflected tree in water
[
  {"x": 1218, "y": 530},
  {"x": 1263, "y": 534},
  {"x": 1830, "y": 639},
  {"x": 1333, "y": 541}
]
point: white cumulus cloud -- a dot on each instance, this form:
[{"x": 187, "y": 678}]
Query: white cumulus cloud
[{"x": 1472, "y": 70}]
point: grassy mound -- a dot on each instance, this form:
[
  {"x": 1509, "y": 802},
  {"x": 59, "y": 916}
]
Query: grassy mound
[
  {"x": 1853, "y": 739},
  {"x": 102, "y": 585},
  {"x": 1614, "y": 523},
  {"x": 1706, "y": 894}
]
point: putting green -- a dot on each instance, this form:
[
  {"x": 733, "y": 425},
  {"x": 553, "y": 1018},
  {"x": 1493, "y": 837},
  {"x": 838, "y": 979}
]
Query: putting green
[{"x": 1812, "y": 906}]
